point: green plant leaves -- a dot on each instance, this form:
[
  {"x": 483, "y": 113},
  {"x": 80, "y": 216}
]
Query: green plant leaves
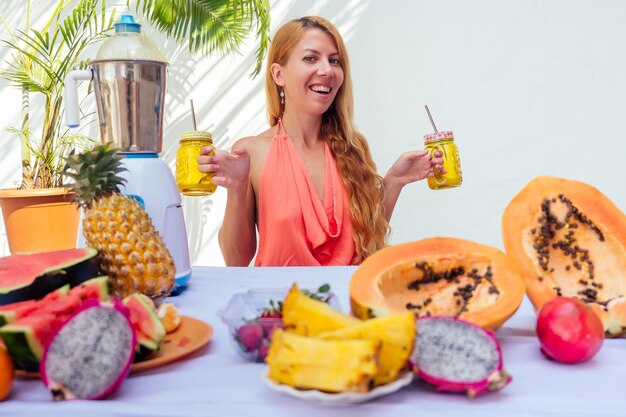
[
  {"x": 210, "y": 26},
  {"x": 42, "y": 58}
]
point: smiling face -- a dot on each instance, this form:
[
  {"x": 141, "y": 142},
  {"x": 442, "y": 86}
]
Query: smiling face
[{"x": 312, "y": 75}]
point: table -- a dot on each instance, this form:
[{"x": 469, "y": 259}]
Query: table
[{"x": 215, "y": 381}]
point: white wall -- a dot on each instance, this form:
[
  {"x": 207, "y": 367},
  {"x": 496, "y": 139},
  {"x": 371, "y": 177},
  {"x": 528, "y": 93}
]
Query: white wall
[{"x": 530, "y": 88}]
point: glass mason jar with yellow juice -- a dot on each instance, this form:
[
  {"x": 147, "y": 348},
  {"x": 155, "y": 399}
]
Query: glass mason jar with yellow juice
[
  {"x": 444, "y": 142},
  {"x": 190, "y": 180}
]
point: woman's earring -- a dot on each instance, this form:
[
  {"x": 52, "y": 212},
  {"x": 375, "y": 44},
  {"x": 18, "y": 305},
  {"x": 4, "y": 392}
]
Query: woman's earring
[{"x": 282, "y": 97}]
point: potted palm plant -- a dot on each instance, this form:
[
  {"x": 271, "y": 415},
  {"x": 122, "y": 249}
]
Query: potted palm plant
[
  {"x": 39, "y": 214},
  {"x": 41, "y": 59}
]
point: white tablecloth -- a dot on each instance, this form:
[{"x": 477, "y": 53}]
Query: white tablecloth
[{"x": 215, "y": 381}]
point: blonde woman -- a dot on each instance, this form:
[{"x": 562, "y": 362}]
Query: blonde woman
[{"x": 308, "y": 183}]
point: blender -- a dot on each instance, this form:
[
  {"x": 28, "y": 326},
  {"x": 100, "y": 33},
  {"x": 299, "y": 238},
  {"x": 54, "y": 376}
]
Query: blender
[{"x": 129, "y": 80}]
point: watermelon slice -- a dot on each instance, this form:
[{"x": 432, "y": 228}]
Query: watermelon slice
[
  {"x": 145, "y": 320},
  {"x": 11, "y": 312},
  {"x": 32, "y": 276},
  {"x": 94, "y": 289},
  {"x": 26, "y": 337}
]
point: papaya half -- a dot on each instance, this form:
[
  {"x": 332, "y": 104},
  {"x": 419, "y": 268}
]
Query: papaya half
[
  {"x": 438, "y": 276},
  {"x": 568, "y": 239}
]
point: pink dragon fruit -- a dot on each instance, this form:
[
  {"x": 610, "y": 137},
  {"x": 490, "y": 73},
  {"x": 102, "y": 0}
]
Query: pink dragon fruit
[
  {"x": 91, "y": 354},
  {"x": 454, "y": 355}
]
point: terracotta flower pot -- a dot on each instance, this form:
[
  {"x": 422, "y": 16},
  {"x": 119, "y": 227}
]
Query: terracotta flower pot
[{"x": 39, "y": 220}]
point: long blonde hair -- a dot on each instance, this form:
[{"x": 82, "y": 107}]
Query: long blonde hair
[{"x": 349, "y": 147}]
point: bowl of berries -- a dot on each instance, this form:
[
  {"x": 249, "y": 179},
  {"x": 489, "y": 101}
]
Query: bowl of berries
[{"x": 254, "y": 315}]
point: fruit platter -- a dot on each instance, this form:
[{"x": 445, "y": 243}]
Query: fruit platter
[
  {"x": 46, "y": 305},
  {"x": 190, "y": 336}
]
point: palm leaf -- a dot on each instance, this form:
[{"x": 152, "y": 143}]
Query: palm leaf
[
  {"x": 21, "y": 73},
  {"x": 34, "y": 52},
  {"x": 210, "y": 26}
]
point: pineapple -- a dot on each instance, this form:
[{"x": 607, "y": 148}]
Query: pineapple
[
  {"x": 396, "y": 333},
  {"x": 131, "y": 251},
  {"x": 325, "y": 365},
  {"x": 305, "y": 316}
]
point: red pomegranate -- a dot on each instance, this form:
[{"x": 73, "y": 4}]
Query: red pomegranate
[{"x": 569, "y": 330}]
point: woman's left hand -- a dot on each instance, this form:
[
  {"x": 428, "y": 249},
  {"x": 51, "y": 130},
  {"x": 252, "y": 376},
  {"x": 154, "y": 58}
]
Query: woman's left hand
[{"x": 415, "y": 166}]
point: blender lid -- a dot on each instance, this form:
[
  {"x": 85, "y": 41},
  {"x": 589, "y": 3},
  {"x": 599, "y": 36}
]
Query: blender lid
[
  {"x": 128, "y": 43},
  {"x": 127, "y": 24}
]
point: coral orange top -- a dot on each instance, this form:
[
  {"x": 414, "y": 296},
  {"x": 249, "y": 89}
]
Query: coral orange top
[{"x": 295, "y": 227}]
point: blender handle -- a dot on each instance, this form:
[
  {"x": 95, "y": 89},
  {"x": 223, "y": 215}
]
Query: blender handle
[{"x": 72, "y": 118}]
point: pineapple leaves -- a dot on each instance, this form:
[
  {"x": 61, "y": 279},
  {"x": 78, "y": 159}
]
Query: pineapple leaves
[{"x": 95, "y": 173}]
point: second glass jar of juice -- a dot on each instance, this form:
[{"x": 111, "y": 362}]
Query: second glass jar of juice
[
  {"x": 444, "y": 141},
  {"x": 190, "y": 180}
]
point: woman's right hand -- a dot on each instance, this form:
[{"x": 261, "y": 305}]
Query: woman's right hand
[{"x": 231, "y": 170}]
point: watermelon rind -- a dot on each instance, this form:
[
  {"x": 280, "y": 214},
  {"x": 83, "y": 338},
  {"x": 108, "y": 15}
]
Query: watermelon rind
[
  {"x": 147, "y": 324},
  {"x": 23, "y": 346},
  {"x": 99, "y": 284},
  {"x": 145, "y": 346},
  {"x": 47, "y": 279}
]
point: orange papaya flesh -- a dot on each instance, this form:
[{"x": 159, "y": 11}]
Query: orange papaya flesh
[
  {"x": 438, "y": 276},
  {"x": 568, "y": 239}
]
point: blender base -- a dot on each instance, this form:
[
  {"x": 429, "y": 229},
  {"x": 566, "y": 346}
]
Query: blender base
[{"x": 150, "y": 180}]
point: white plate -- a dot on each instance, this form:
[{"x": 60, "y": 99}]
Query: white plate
[{"x": 344, "y": 398}]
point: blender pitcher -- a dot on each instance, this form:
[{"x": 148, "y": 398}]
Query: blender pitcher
[{"x": 129, "y": 80}]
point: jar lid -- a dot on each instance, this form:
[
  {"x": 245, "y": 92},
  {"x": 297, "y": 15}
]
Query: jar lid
[
  {"x": 438, "y": 135},
  {"x": 196, "y": 135}
]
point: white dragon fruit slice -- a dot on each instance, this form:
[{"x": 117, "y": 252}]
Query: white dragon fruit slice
[
  {"x": 91, "y": 354},
  {"x": 454, "y": 355}
]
